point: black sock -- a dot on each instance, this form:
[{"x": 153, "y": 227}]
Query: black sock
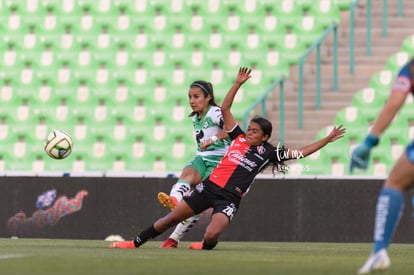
[
  {"x": 145, "y": 235},
  {"x": 209, "y": 246}
]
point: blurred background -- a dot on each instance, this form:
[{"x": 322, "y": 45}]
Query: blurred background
[{"x": 115, "y": 75}]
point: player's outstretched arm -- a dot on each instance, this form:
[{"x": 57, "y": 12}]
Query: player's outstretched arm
[
  {"x": 336, "y": 133},
  {"x": 221, "y": 135},
  {"x": 229, "y": 120}
]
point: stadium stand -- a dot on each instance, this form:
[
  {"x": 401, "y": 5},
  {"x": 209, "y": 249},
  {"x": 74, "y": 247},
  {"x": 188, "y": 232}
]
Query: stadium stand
[
  {"x": 98, "y": 68},
  {"x": 358, "y": 117}
]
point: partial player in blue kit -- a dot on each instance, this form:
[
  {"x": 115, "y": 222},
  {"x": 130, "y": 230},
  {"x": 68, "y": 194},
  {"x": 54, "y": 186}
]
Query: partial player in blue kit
[{"x": 390, "y": 200}]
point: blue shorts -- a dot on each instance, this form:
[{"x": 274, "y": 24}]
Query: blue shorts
[{"x": 409, "y": 151}]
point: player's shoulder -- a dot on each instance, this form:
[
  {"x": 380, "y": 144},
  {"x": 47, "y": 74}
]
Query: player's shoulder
[
  {"x": 215, "y": 113},
  {"x": 214, "y": 110},
  {"x": 405, "y": 70}
]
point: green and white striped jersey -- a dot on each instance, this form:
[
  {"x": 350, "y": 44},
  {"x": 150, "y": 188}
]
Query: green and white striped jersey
[{"x": 206, "y": 127}]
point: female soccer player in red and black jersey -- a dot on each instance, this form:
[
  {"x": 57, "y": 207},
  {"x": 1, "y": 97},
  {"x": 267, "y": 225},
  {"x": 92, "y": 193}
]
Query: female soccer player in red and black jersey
[{"x": 249, "y": 153}]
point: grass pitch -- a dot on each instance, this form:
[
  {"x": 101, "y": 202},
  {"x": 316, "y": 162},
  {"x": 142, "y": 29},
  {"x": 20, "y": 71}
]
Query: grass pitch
[{"x": 49, "y": 256}]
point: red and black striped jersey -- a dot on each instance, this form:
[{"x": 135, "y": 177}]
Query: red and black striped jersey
[{"x": 242, "y": 162}]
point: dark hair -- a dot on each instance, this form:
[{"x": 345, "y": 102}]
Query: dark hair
[
  {"x": 207, "y": 89},
  {"x": 266, "y": 127}
]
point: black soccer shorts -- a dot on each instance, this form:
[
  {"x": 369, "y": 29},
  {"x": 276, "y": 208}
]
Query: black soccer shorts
[{"x": 207, "y": 194}]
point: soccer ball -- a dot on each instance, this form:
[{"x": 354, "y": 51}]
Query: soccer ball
[{"x": 58, "y": 144}]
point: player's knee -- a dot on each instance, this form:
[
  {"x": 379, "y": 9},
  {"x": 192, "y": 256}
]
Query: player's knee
[{"x": 191, "y": 175}]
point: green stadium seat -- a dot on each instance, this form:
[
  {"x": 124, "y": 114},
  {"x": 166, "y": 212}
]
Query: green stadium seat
[
  {"x": 25, "y": 110},
  {"x": 86, "y": 23},
  {"x": 292, "y": 48},
  {"x": 382, "y": 155},
  {"x": 45, "y": 93},
  {"x": 42, "y": 128},
  {"x": 71, "y": 55},
  {"x": 306, "y": 4},
  {"x": 252, "y": 37},
  {"x": 339, "y": 165},
  {"x": 76, "y": 161},
  {"x": 6, "y": 123},
  {"x": 406, "y": 113},
  {"x": 5, "y": 161},
  {"x": 309, "y": 30},
  {"x": 48, "y": 20},
  {"x": 78, "y": 126},
  {"x": 396, "y": 61},
  {"x": 153, "y": 128},
  {"x": 14, "y": 19},
  {"x": 118, "y": 164},
  {"x": 64, "y": 165},
  {"x": 101, "y": 164},
  {"x": 38, "y": 162},
  {"x": 369, "y": 102},
  {"x": 7, "y": 120},
  {"x": 133, "y": 165},
  {"x": 119, "y": 17},
  {"x": 408, "y": 44},
  {"x": 23, "y": 164},
  {"x": 352, "y": 119},
  {"x": 396, "y": 133},
  {"x": 136, "y": 111},
  {"x": 382, "y": 81},
  {"x": 342, "y": 146},
  {"x": 228, "y": 17},
  {"x": 240, "y": 109},
  {"x": 261, "y": 29},
  {"x": 29, "y": 38},
  {"x": 326, "y": 12},
  {"x": 288, "y": 12},
  {"x": 8, "y": 94},
  {"x": 138, "y": 157},
  {"x": 21, "y": 146},
  {"x": 314, "y": 164},
  {"x": 63, "y": 8},
  {"x": 10, "y": 54},
  {"x": 343, "y": 4},
  {"x": 181, "y": 129}
]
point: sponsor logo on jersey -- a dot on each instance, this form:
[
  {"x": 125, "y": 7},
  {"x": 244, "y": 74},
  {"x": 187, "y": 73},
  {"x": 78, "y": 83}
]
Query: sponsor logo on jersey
[
  {"x": 237, "y": 157},
  {"x": 261, "y": 149},
  {"x": 401, "y": 84}
]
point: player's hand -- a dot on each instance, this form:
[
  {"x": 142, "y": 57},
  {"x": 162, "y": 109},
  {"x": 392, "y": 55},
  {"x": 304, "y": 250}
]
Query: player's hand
[
  {"x": 360, "y": 155},
  {"x": 243, "y": 75},
  {"x": 205, "y": 144},
  {"x": 336, "y": 133}
]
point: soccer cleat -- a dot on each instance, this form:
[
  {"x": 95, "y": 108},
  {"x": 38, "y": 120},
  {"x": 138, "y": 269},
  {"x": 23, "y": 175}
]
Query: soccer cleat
[
  {"x": 196, "y": 246},
  {"x": 376, "y": 262},
  {"x": 168, "y": 201},
  {"x": 126, "y": 244},
  {"x": 169, "y": 243}
]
